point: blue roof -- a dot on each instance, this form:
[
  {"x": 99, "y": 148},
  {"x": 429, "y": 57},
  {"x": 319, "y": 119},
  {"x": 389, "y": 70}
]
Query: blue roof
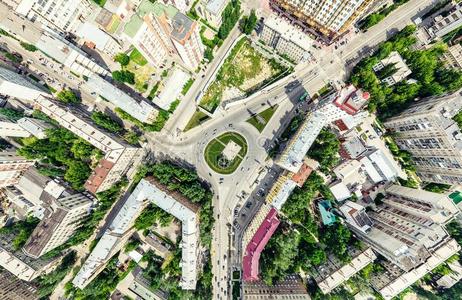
[{"x": 327, "y": 215}]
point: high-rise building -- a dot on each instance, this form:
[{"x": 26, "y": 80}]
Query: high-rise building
[
  {"x": 120, "y": 158},
  {"x": 328, "y": 18},
  {"x": 63, "y": 217},
  {"x": 65, "y": 15},
  {"x": 13, "y": 288},
  {"x": 12, "y": 166},
  {"x": 407, "y": 228},
  {"x": 427, "y": 131},
  {"x": 15, "y": 85},
  {"x": 160, "y": 32}
]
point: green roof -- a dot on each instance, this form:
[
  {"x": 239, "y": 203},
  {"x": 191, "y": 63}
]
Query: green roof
[
  {"x": 132, "y": 27},
  {"x": 456, "y": 197},
  {"x": 146, "y": 7}
]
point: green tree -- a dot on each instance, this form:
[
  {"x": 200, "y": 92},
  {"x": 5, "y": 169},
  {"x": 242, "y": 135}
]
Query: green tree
[
  {"x": 325, "y": 150},
  {"x": 124, "y": 76},
  {"x": 68, "y": 96},
  {"x": 28, "y": 47},
  {"x": 122, "y": 58},
  {"x": 106, "y": 122},
  {"x": 11, "y": 114},
  {"x": 248, "y": 23}
]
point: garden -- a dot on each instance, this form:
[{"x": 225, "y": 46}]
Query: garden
[
  {"x": 244, "y": 71},
  {"x": 214, "y": 153}
]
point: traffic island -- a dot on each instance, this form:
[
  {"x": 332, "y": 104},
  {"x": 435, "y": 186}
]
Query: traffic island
[{"x": 225, "y": 153}]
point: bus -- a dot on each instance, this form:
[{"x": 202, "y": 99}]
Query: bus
[{"x": 303, "y": 97}]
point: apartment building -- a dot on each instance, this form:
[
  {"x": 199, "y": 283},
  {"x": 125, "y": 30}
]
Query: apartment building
[
  {"x": 64, "y": 15},
  {"x": 149, "y": 189},
  {"x": 427, "y": 131},
  {"x": 13, "y": 288},
  {"x": 161, "y": 32},
  {"x": 212, "y": 10},
  {"x": 291, "y": 287},
  {"x": 137, "y": 107},
  {"x": 326, "y": 18},
  {"x": 453, "y": 57},
  {"x": 15, "y": 85},
  {"x": 21, "y": 265},
  {"x": 407, "y": 228},
  {"x": 341, "y": 106},
  {"x": 285, "y": 38},
  {"x": 442, "y": 25},
  {"x": 63, "y": 217},
  {"x": 12, "y": 166},
  {"x": 120, "y": 158}
]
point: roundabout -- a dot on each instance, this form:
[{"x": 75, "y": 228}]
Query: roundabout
[{"x": 225, "y": 153}]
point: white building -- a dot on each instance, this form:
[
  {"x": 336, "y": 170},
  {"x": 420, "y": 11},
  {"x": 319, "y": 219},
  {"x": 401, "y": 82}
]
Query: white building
[
  {"x": 285, "y": 38},
  {"x": 63, "y": 217},
  {"x": 15, "y": 85},
  {"x": 138, "y": 108},
  {"x": 12, "y": 166},
  {"x": 173, "y": 203},
  {"x": 120, "y": 158},
  {"x": 172, "y": 89},
  {"x": 402, "y": 70},
  {"x": 407, "y": 228},
  {"x": 212, "y": 10},
  {"x": 25, "y": 127},
  {"x": 326, "y": 17},
  {"x": 94, "y": 37},
  {"x": 64, "y": 15},
  {"x": 443, "y": 25}
]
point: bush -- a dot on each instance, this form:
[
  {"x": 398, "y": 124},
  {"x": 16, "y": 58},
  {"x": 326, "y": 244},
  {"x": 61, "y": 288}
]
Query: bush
[
  {"x": 105, "y": 121},
  {"x": 68, "y": 96},
  {"x": 28, "y": 47},
  {"x": 122, "y": 58},
  {"x": 124, "y": 76}
]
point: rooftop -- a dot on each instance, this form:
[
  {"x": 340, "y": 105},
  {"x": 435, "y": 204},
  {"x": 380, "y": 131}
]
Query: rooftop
[{"x": 215, "y": 7}]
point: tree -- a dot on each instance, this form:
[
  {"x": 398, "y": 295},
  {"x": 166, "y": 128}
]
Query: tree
[
  {"x": 122, "y": 58},
  {"x": 105, "y": 121},
  {"x": 11, "y": 114},
  {"x": 68, "y": 96},
  {"x": 325, "y": 150},
  {"x": 124, "y": 76},
  {"x": 28, "y": 47},
  {"x": 248, "y": 23}
]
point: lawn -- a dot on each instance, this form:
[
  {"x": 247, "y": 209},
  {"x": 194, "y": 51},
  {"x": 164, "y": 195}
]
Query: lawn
[
  {"x": 138, "y": 58},
  {"x": 198, "y": 118},
  {"x": 244, "y": 71},
  {"x": 214, "y": 149},
  {"x": 142, "y": 74},
  {"x": 260, "y": 120}
]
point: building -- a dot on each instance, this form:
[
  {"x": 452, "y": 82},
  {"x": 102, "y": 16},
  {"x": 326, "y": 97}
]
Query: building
[
  {"x": 12, "y": 166},
  {"x": 171, "y": 90},
  {"x": 442, "y": 25},
  {"x": 25, "y": 127},
  {"x": 15, "y": 85},
  {"x": 95, "y": 38},
  {"x": 427, "y": 131},
  {"x": 212, "y": 10},
  {"x": 407, "y": 228},
  {"x": 21, "y": 265},
  {"x": 342, "y": 105},
  {"x": 285, "y": 38},
  {"x": 140, "y": 109},
  {"x": 120, "y": 158},
  {"x": 161, "y": 32},
  {"x": 141, "y": 287},
  {"x": 13, "y": 288},
  {"x": 394, "y": 280},
  {"x": 64, "y": 15},
  {"x": 395, "y": 61},
  {"x": 63, "y": 217},
  {"x": 262, "y": 233},
  {"x": 453, "y": 57},
  {"x": 291, "y": 287},
  {"x": 324, "y": 18},
  {"x": 334, "y": 272},
  {"x": 149, "y": 189}
]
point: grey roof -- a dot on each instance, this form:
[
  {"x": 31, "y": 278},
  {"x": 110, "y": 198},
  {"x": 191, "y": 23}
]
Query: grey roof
[
  {"x": 215, "y": 6},
  {"x": 181, "y": 26}
]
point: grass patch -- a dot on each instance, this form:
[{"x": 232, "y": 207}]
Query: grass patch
[
  {"x": 260, "y": 120},
  {"x": 187, "y": 86},
  {"x": 213, "y": 152},
  {"x": 244, "y": 71},
  {"x": 114, "y": 24},
  {"x": 138, "y": 58},
  {"x": 198, "y": 118}
]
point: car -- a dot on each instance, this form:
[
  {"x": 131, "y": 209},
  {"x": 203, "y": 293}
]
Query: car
[{"x": 248, "y": 205}]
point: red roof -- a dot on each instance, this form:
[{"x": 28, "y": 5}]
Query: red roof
[
  {"x": 302, "y": 175},
  {"x": 250, "y": 264},
  {"x": 98, "y": 175}
]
